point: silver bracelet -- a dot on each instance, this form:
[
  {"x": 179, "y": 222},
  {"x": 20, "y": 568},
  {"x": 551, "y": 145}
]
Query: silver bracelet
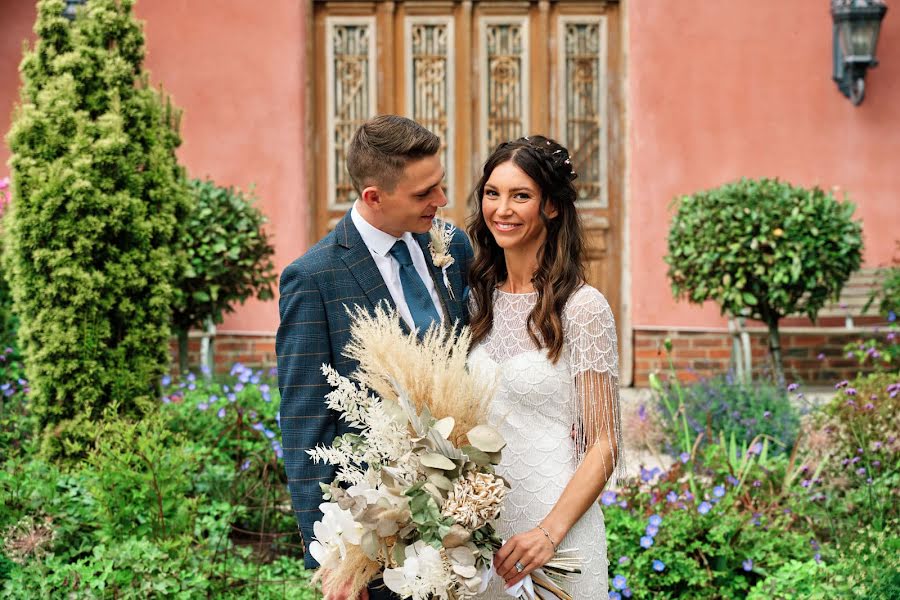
[{"x": 547, "y": 533}]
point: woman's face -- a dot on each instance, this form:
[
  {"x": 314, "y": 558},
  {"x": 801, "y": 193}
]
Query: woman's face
[{"x": 511, "y": 207}]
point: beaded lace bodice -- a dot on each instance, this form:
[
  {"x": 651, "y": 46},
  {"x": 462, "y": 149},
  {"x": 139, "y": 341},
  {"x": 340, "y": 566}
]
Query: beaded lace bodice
[{"x": 550, "y": 414}]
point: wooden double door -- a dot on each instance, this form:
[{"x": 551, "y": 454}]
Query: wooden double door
[{"x": 477, "y": 74}]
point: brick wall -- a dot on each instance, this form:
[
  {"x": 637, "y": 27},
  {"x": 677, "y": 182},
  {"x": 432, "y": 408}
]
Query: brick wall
[
  {"x": 253, "y": 351},
  {"x": 813, "y": 358}
]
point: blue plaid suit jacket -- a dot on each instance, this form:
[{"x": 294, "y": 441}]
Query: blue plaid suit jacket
[{"x": 315, "y": 328}]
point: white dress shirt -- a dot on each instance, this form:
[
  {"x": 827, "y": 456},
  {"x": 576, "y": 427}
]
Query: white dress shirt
[{"x": 379, "y": 244}]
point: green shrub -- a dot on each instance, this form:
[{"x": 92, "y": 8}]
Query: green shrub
[
  {"x": 714, "y": 539},
  {"x": 720, "y": 405},
  {"x": 851, "y": 459},
  {"x": 869, "y": 567},
  {"x": 97, "y": 194},
  {"x": 191, "y": 501},
  {"x": 229, "y": 258},
  {"x": 765, "y": 246}
]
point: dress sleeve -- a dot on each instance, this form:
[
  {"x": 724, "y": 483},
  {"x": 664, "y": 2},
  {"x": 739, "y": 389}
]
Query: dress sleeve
[{"x": 593, "y": 355}]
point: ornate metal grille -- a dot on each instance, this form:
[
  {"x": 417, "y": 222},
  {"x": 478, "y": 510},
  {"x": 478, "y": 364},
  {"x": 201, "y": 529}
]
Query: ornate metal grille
[
  {"x": 583, "y": 110},
  {"x": 351, "y": 97},
  {"x": 430, "y": 83},
  {"x": 505, "y": 81}
]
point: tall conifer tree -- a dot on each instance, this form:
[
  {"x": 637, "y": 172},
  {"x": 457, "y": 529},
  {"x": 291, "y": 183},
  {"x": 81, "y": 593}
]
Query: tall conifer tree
[{"x": 97, "y": 197}]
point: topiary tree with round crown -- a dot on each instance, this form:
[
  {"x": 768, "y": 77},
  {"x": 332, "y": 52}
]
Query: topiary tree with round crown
[
  {"x": 97, "y": 197},
  {"x": 763, "y": 248}
]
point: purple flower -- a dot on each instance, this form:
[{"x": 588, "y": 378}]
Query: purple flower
[
  {"x": 202, "y": 406},
  {"x": 608, "y": 498},
  {"x": 655, "y": 520},
  {"x": 652, "y": 530},
  {"x": 273, "y": 371},
  {"x": 258, "y": 426},
  {"x": 704, "y": 507},
  {"x": 221, "y": 413},
  {"x": 755, "y": 448},
  {"x": 619, "y": 582},
  {"x": 646, "y": 541},
  {"x": 623, "y": 504},
  {"x": 658, "y": 565},
  {"x": 842, "y": 384},
  {"x": 850, "y": 391},
  {"x": 767, "y": 414},
  {"x": 892, "y": 316},
  {"x": 166, "y": 381},
  {"x": 757, "y": 483},
  {"x": 278, "y": 451},
  {"x": 254, "y": 380},
  {"x": 192, "y": 387},
  {"x": 264, "y": 388},
  {"x": 732, "y": 479},
  {"x": 269, "y": 433},
  {"x": 876, "y": 463},
  {"x": 821, "y": 356},
  {"x": 278, "y": 419},
  {"x": 213, "y": 399},
  {"x": 804, "y": 483},
  {"x": 671, "y": 497},
  {"x": 719, "y": 491},
  {"x": 238, "y": 386},
  {"x": 232, "y": 397},
  {"x": 627, "y": 592},
  {"x": 226, "y": 389},
  {"x": 642, "y": 412},
  {"x": 205, "y": 369},
  {"x": 647, "y": 475},
  {"x": 861, "y": 471},
  {"x": 688, "y": 496},
  {"x": 623, "y": 560},
  {"x": 614, "y": 595},
  {"x": 191, "y": 377},
  {"x": 245, "y": 465},
  {"x": 685, "y": 457},
  {"x": 869, "y": 406},
  {"x": 793, "y": 387},
  {"x": 748, "y": 564},
  {"x": 166, "y": 400},
  {"x": 817, "y": 557}
]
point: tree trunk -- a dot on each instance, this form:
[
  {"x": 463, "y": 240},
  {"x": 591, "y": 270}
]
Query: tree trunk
[
  {"x": 183, "y": 351},
  {"x": 775, "y": 352}
]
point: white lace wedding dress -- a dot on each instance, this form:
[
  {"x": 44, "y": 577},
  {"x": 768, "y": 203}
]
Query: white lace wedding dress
[{"x": 548, "y": 414}]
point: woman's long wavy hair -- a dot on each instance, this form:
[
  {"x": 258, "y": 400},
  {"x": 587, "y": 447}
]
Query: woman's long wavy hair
[{"x": 560, "y": 269}]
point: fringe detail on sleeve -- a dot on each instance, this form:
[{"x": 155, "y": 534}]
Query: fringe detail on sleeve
[
  {"x": 598, "y": 421},
  {"x": 594, "y": 356}
]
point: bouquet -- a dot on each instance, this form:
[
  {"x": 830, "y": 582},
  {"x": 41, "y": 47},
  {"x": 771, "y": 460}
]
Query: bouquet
[{"x": 415, "y": 492}]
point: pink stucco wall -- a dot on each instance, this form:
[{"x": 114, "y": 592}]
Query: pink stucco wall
[
  {"x": 238, "y": 73},
  {"x": 720, "y": 90},
  {"x": 237, "y": 69}
]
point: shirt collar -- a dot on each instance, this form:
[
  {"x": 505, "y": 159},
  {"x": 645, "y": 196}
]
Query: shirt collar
[{"x": 375, "y": 239}]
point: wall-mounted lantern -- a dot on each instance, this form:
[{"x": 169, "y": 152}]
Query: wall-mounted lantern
[
  {"x": 71, "y": 6},
  {"x": 856, "y": 27}
]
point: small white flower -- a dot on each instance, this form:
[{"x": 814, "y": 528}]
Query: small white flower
[
  {"x": 424, "y": 574},
  {"x": 332, "y": 534}
]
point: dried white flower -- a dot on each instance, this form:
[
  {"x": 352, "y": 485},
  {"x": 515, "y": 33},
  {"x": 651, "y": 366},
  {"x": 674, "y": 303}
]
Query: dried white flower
[{"x": 475, "y": 499}]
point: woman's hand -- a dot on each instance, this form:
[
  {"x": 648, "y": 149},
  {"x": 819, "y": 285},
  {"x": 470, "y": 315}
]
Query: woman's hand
[
  {"x": 530, "y": 550},
  {"x": 340, "y": 593}
]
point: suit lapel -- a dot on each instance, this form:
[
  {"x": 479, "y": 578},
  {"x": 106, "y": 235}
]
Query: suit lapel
[
  {"x": 451, "y": 307},
  {"x": 359, "y": 262}
]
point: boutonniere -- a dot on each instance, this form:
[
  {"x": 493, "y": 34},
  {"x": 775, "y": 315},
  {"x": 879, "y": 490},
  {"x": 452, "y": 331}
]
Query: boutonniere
[{"x": 441, "y": 235}]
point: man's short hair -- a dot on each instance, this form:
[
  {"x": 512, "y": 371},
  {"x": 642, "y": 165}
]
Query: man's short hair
[{"x": 382, "y": 147}]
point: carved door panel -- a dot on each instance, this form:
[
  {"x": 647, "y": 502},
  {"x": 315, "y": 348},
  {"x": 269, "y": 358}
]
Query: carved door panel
[{"x": 477, "y": 74}]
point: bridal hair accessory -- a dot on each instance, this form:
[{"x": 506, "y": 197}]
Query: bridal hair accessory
[{"x": 441, "y": 234}]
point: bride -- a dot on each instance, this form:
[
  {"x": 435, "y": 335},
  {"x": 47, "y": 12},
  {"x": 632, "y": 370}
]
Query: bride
[{"x": 551, "y": 338}]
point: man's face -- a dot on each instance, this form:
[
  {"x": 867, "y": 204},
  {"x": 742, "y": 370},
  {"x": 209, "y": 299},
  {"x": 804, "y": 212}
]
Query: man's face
[{"x": 415, "y": 199}]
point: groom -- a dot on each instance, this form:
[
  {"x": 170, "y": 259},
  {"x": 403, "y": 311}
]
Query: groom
[{"x": 377, "y": 253}]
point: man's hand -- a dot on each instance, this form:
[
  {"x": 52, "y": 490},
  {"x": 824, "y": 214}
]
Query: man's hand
[{"x": 341, "y": 593}]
